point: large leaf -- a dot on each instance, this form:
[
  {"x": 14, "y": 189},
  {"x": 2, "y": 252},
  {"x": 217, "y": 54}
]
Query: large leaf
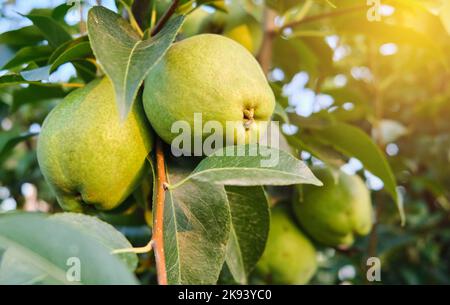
[
  {"x": 250, "y": 221},
  {"x": 250, "y": 165},
  {"x": 106, "y": 234},
  {"x": 41, "y": 250},
  {"x": 196, "y": 231},
  {"x": 124, "y": 57},
  {"x": 51, "y": 29},
  {"x": 354, "y": 142}
]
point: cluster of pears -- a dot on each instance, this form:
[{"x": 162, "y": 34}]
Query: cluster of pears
[
  {"x": 332, "y": 215},
  {"x": 92, "y": 158}
]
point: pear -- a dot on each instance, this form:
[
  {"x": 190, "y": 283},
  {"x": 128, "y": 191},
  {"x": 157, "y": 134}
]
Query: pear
[
  {"x": 334, "y": 213},
  {"x": 289, "y": 256},
  {"x": 213, "y": 76},
  {"x": 193, "y": 22},
  {"x": 236, "y": 24},
  {"x": 247, "y": 31},
  {"x": 87, "y": 154}
]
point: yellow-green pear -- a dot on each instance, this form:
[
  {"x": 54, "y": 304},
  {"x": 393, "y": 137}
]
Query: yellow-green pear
[
  {"x": 236, "y": 24},
  {"x": 193, "y": 22},
  {"x": 334, "y": 213},
  {"x": 215, "y": 77},
  {"x": 88, "y": 155},
  {"x": 289, "y": 256},
  {"x": 247, "y": 31}
]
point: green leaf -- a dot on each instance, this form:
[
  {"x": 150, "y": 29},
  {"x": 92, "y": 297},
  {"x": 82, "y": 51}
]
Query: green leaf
[
  {"x": 38, "y": 74},
  {"x": 354, "y": 142},
  {"x": 42, "y": 250},
  {"x": 323, "y": 152},
  {"x": 28, "y": 54},
  {"x": 250, "y": 165},
  {"x": 86, "y": 70},
  {"x": 196, "y": 231},
  {"x": 12, "y": 79},
  {"x": 9, "y": 141},
  {"x": 250, "y": 221},
  {"x": 26, "y": 36},
  {"x": 60, "y": 11},
  {"x": 51, "y": 29},
  {"x": 76, "y": 52},
  {"x": 281, "y": 113},
  {"x": 35, "y": 93},
  {"x": 124, "y": 57},
  {"x": 6, "y": 53},
  {"x": 294, "y": 55},
  {"x": 103, "y": 232},
  {"x": 316, "y": 121}
]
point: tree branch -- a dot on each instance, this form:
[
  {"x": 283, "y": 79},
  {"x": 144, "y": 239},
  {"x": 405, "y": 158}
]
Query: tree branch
[
  {"x": 161, "y": 180},
  {"x": 324, "y": 16},
  {"x": 161, "y": 22},
  {"x": 265, "y": 54},
  {"x": 158, "y": 236}
]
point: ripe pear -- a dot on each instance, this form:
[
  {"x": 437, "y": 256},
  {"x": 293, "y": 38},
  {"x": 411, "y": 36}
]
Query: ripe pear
[
  {"x": 334, "y": 213},
  {"x": 212, "y": 75},
  {"x": 247, "y": 31},
  {"x": 193, "y": 22},
  {"x": 87, "y": 154},
  {"x": 236, "y": 24},
  {"x": 289, "y": 256}
]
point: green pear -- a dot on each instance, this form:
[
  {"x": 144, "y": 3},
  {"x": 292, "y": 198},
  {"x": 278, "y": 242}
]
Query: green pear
[
  {"x": 289, "y": 257},
  {"x": 236, "y": 24},
  {"x": 247, "y": 31},
  {"x": 334, "y": 213},
  {"x": 193, "y": 22},
  {"x": 87, "y": 154},
  {"x": 213, "y": 76}
]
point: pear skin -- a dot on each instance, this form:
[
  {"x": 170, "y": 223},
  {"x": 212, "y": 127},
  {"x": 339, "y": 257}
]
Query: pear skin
[
  {"x": 89, "y": 157},
  {"x": 336, "y": 212},
  {"x": 213, "y": 76},
  {"x": 289, "y": 256}
]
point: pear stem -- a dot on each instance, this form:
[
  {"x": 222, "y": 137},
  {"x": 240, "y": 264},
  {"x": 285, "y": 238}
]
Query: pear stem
[{"x": 158, "y": 236}]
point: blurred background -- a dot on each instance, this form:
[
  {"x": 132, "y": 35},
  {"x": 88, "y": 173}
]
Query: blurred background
[{"x": 389, "y": 76}]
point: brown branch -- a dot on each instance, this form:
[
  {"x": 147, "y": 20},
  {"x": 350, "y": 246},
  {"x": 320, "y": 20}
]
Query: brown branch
[
  {"x": 140, "y": 10},
  {"x": 161, "y": 180},
  {"x": 158, "y": 236},
  {"x": 265, "y": 54},
  {"x": 324, "y": 16},
  {"x": 161, "y": 22}
]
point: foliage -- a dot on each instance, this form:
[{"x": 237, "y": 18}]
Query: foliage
[{"x": 369, "y": 97}]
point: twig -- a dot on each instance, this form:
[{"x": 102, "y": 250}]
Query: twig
[
  {"x": 72, "y": 85},
  {"x": 161, "y": 22},
  {"x": 265, "y": 54},
  {"x": 323, "y": 16},
  {"x": 161, "y": 181},
  {"x": 158, "y": 237}
]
